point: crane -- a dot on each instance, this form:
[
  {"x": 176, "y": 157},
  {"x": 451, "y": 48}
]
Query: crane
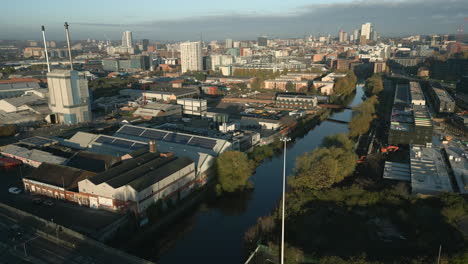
[{"x": 460, "y": 35}]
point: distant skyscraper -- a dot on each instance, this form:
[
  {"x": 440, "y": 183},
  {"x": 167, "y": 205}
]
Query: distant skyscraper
[
  {"x": 343, "y": 36},
  {"x": 145, "y": 43},
  {"x": 366, "y": 30},
  {"x": 68, "y": 97},
  {"x": 127, "y": 40},
  {"x": 374, "y": 35},
  {"x": 356, "y": 35},
  {"x": 191, "y": 56},
  {"x": 262, "y": 41},
  {"x": 229, "y": 44}
]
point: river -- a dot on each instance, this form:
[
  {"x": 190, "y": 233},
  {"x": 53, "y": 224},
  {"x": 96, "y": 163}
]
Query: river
[{"x": 214, "y": 234}]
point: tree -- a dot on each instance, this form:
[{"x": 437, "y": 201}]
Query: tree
[
  {"x": 290, "y": 87},
  {"x": 323, "y": 167},
  {"x": 257, "y": 84},
  {"x": 374, "y": 85},
  {"x": 233, "y": 171},
  {"x": 363, "y": 116},
  {"x": 339, "y": 141}
]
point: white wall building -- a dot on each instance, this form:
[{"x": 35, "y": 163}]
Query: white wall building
[
  {"x": 191, "y": 56},
  {"x": 366, "y": 30},
  {"x": 68, "y": 97},
  {"x": 195, "y": 107},
  {"x": 127, "y": 39}
]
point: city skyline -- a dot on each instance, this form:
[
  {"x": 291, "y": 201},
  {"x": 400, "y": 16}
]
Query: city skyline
[{"x": 240, "y": 21}]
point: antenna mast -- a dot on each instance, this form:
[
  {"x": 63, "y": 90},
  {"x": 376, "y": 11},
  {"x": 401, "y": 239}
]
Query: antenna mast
[
  {"x": 69, "y": 47},
  {"x": 45, "y": 47}
]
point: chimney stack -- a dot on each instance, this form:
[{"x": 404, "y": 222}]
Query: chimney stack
[
  {"x": 69, "y": 46},
  {"x": 152, "y": 146},
  {"x": 45, "y": 48}
]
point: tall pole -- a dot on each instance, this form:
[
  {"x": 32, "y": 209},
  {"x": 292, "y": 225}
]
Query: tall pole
[
  {"x": 69, "y": 47},
  {"x": 285, "y": 140},
  {"x": 45, "y": 48},
  {"x": 440, "y": 251}
]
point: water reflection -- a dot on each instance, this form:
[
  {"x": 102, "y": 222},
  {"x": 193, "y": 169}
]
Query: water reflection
[{"x": 213, "y": 231}]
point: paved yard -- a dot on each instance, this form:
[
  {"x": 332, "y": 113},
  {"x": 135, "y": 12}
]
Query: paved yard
[{"x": 71, "y": 215}]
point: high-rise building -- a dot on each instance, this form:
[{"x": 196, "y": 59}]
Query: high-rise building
[
  {"x": 127, "y": 40},
  {"x": 145, "y": 44},
  {"x": 374, "y": 35},
  {"x": 356, "y": 35},
  {"x": 262, "y": 41},
  {"x": 343, "y": 36},
  {"x": 191, "y": 56},
  {"x": 366, "y": 30},
  {"x": 229, "y": 44},
  {"x": 68, "y": 97}
]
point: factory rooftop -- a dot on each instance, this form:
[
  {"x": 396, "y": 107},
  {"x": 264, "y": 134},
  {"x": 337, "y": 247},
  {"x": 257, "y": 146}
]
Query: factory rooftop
[{"x": 429, "y": 173}]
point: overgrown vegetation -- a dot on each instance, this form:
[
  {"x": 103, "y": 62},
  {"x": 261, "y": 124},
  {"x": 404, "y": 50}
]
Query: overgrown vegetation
[
  {"x": 346, "y": 85},
  {"x": 326, "y": 165},
  {"x": 363, "y": 115},
  {"x": 233, "y": 170},
  {"x": 103, "y": 87},
  {"x": 374, "y": 85}
]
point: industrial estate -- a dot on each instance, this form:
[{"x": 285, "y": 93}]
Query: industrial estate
[{"x": 319, "y": 149}]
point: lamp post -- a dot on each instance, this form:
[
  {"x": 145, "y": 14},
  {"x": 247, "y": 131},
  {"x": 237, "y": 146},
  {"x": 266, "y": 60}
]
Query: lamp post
[{"x": 285, "y": 140}]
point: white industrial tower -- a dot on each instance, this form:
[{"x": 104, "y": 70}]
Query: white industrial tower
[{"x": 68, "y": 94}]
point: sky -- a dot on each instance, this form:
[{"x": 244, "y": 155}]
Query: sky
[{"x": 215, "y": 19}]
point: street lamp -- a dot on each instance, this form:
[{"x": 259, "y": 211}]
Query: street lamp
[{"x": 285, "y": 140}]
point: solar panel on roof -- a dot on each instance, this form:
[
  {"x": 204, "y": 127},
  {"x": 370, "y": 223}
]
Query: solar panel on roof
[
  {"x": 122, "y": 143},
  {"x": 37, "y": 141},
  {"x": 104, "y": 140},
  {"x": 202, "y": 142},
  {"x": 177, "y": 138},
  {"x": 134, "y": 131},
  {"x": 138, "y": 146},
  {"x": 152, "y": 134}
]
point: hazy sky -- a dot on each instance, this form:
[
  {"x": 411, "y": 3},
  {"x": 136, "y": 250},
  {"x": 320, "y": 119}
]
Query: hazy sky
[{"x": 215, "y": 19}]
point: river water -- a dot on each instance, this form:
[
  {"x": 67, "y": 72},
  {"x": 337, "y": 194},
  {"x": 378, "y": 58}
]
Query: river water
[{"x": 214, "y": 234}]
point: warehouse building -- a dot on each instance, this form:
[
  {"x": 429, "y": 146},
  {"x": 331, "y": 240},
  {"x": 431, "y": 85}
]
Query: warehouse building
[
  {"x": 201, "y": 149},
  {"x": 410, "y": 119},
  {"x": 194, "y": 107},
  {"x": 56, "y": 181},
  {"x": 139, "y": 182},
  {"x": 14, "y": 89},
  {"x": 34, "y": 151},
  {"x": 295, "y": 101},
  {"x": 441, "y": 99}
]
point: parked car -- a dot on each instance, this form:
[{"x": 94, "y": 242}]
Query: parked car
[
  {"x": 49, "y": 202},
  {"x": 14, "y": 190}
]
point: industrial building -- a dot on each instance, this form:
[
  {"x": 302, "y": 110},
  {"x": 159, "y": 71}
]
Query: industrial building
[
  {"x": 429, "y": 173},
  {"x": 442, "y": 101},
  {"x": 201, "y": 149},
  {"x": 139, "y": 182},
  {"x": 294, "y": 101},
  {"x": 14, "y": 89},
  {"x": 151, "y": 110},
  {"x": 410, "y": 119},
  {"x": 193, "y": 107},
  {"x": 68, "y": 97},
  {"x": 56, "y": 181}
]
